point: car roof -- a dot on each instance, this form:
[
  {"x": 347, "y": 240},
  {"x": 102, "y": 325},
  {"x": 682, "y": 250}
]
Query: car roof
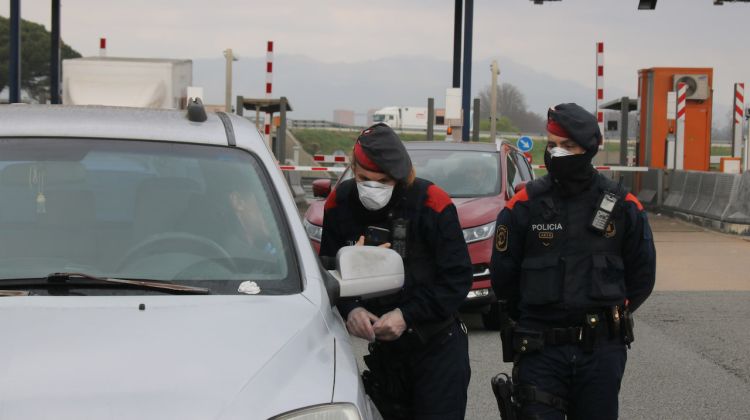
[
  {"x": 22, "y": 120},
  {"x": 448, "y": 145}
]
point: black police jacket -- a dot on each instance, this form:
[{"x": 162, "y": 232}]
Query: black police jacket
[
  {"x": 552, "y": 268},
  {"x": 438, "y": 271}
]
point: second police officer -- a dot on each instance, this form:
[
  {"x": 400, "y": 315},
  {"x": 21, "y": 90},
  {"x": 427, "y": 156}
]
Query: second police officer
[
  {"x": 418, "y": 366},
  {"x": 573, "y": 259}
]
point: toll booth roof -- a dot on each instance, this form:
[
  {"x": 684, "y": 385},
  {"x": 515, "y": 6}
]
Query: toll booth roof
[
  {"x": 616, "y": 105},
  {"x": 271, "y": 106}
]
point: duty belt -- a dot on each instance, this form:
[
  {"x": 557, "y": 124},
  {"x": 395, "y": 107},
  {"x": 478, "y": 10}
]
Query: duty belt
[{"x": 530, "y": 340}]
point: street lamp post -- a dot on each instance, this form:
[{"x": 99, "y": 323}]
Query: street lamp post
[
  {"x": 228, "y": 97},
  {"x": 493, "y": 100}
]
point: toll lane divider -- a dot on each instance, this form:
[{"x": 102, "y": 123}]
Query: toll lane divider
[
  {"x": 726, "y": 187},
  {"x": 716, "y": 200},
  {"x": 738, "y": 210},
  {"x": 650, "y": 187}
]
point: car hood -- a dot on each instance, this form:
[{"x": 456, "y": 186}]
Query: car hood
[
  {"x": 471, "y": 211},
  {"x": 479, "y": 210},
  {"x": 182, "y": 357}
]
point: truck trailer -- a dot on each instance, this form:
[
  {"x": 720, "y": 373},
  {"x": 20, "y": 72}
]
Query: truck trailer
[
  {"x": 402, "y": 118},
  {"x": 130, "y": 82}
]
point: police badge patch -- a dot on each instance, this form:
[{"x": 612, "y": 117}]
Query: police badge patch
[
  {"x": 501, "y": 238},
  {"x": 611, "y": 231}
]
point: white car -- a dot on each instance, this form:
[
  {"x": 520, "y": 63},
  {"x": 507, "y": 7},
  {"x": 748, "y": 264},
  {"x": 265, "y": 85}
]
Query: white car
[{"x": 154, "y": 266}]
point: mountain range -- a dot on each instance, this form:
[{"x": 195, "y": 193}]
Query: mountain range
[{"x": 315, "y": 88}]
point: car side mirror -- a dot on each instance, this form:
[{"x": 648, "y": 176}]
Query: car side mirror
[
  {"x": 517, "y": 189},
  {"x": 368, "y": 271},
  {"x": 321, "y": 187}
]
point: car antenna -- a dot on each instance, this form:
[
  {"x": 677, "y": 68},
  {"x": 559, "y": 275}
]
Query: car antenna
[{"x": 195, "y": 110}]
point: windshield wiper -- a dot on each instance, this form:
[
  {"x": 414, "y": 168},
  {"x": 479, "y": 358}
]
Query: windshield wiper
[
  {"x": 67, "y": 278},
  {"x": 4, "y": 293}
]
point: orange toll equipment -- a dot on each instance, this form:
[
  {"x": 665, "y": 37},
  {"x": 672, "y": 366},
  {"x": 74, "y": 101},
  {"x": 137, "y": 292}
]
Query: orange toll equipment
[{"x": 653, "y": 87}]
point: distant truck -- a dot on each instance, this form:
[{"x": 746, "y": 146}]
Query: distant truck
[
  {"x": 130, "y": 82},
  {"x": 409, "y": 118},
  {"x": 402, "y": 118}
]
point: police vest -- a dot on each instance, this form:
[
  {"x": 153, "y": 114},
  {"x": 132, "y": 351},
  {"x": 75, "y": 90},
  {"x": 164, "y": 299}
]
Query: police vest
[{"x": 567, "y": 264}]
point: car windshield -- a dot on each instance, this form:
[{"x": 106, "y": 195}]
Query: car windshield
[
  {"x": 194, "y": 214},
  {"x": 460, "y": 173},
  {"x": 378, "y": 118}
]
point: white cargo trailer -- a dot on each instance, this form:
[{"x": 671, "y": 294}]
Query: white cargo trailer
[
  {"x": 130, "y": 82},
  {"x": 402, "y": 118}
]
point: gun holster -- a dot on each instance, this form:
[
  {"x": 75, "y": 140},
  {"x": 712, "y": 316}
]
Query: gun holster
[
  {"x": 627, "y": 327},
  {"x": 386, "y": 383},
  {"x": 502, "y": 387}
]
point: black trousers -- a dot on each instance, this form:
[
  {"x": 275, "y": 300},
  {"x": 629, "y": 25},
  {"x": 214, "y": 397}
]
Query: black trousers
[
  {"x": 590, "y": 382},
  {"x": 437, "y": 373}
]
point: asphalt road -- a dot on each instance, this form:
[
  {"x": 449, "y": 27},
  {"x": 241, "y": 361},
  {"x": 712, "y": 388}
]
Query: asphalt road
[{"x": 691, "y": 357}]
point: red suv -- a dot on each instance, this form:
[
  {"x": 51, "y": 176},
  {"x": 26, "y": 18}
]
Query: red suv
[{"x": 480, "y": 178}]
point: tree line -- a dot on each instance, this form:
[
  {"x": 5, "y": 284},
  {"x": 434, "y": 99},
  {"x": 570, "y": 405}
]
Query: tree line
[
  {"x": 511, "y": 106},
  {"x": 35, "y": 58}
]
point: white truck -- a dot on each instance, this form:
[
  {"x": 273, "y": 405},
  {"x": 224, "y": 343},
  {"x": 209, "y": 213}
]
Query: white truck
[
  {"x": 130, "y": 82},
  {"x": 402, "y": 118},
  {"x": 408, "y": 118}
]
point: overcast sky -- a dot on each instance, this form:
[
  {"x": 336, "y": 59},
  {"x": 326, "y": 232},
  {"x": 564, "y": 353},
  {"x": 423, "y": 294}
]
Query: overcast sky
[{"x": 556, "y": 38}]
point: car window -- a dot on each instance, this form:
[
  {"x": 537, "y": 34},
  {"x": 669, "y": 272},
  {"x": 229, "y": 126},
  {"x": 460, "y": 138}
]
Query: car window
[
  {"x": 523, "y": 166},
  {"x": 194, "y": 214},
  {"x": 459, "y": 173},
  {"x": 514, "y": 177}
]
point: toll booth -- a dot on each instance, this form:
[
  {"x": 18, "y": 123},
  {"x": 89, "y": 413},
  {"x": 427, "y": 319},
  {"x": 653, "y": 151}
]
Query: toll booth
[{"x": 655, "y": 127}]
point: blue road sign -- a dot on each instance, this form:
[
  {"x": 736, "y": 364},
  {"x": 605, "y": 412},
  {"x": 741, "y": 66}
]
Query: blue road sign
[{"x": 525, "y": 143}]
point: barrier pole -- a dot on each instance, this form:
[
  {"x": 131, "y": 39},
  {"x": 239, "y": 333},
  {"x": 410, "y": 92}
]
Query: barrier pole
[
  {"x": 739, "y": 116},
  {"x": 680, "y": 130},
  {"x": 600, "y": 86},
  {"x": 269, "y": 89}
]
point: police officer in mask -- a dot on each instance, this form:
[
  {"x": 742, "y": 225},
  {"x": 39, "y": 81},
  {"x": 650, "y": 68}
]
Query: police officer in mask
[
  {"x": 573, "y": 259},
  {"x": 418, "y": 366}
]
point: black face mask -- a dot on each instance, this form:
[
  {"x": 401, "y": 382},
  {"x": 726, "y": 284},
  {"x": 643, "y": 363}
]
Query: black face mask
[{"x": 573, "y": 173}]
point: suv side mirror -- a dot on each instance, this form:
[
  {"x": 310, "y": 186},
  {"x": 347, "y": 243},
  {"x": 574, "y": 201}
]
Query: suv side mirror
[
  {"x": 321, "y": 187},
  {"x": 368, "y": 271}
]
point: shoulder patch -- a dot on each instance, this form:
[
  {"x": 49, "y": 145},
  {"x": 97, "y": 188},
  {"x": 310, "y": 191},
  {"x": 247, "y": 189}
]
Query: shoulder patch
[
  {"x": 520, "y": 196},
  {"x": 437, "y": 199},
  {"x": 630, "y": 197},
  {"x": 501, "y": 238},
  {"x": 330, "y": 201}
]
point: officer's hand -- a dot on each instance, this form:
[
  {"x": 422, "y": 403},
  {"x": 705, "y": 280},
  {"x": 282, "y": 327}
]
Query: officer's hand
[
  {"x": 390, "y": 326},
  {"x": 359, "y": 323},
  {"x": 361, "y": 242}
]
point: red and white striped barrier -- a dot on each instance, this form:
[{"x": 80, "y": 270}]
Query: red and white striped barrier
[
  {"x": 269, "y": 88},
  {"x": 739, "y": 116},
  {"x": 600, "y": 85},
  {"x": 680, "y": 131},
  {"x": 609, "y": 168},
  {"x": 294, "y": 168},
  {"x": 331, "y": 158}
]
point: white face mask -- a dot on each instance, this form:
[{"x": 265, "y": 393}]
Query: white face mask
[
  {"x": 560, "y": 152},
  {"x": 373, "y": 194}
]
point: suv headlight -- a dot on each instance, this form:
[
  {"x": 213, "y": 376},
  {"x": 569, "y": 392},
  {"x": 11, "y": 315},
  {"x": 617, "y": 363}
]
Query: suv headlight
[
  {"x": 479, "y": 233},
  {"x": 314, "y": 232},
  {"x": 339, "y": 411}
]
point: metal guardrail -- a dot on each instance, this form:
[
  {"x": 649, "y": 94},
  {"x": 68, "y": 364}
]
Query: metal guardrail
[{"x": 319, "y": 124}]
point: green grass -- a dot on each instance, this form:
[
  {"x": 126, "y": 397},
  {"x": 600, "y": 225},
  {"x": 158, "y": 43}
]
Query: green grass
[{"x": 325, "y": 142}]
